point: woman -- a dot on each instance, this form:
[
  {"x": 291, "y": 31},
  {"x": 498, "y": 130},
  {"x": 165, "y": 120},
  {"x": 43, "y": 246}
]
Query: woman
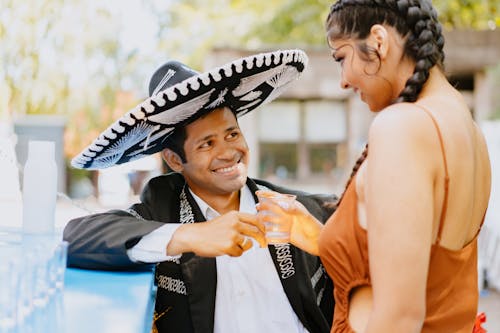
[{"x": 401, "y": 247}]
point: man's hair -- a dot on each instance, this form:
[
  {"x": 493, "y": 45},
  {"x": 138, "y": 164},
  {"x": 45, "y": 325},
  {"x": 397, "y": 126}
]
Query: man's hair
[{"x": 175, "y": 142}]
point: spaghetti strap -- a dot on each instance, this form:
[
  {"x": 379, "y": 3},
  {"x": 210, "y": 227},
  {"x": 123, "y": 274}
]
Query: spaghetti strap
[
  {"x": 481, "y": 225},
  {"x": 446, "y": 178}
]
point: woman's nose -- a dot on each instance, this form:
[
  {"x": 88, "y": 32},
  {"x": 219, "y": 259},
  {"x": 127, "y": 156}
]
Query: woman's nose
[{"x": 343, "y": 83}]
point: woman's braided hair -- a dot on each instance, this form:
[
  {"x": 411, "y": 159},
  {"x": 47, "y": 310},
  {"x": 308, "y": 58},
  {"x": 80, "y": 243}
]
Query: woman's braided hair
[{"x": 415, "y": 20}]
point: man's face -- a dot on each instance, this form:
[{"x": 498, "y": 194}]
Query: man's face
[{"x": 216, "y": 154}]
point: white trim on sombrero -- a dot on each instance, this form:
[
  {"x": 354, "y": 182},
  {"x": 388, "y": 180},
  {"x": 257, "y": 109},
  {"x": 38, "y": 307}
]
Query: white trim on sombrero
[
  {"x": 155, "y": 137},
  {"x": 218, "y": 101},
  {"x": 168, "y": 75},
  {"x": 251, "y": 82},
  {"x": 247, "y": 84},
  {"x": 252, "y": 95},
  {"x": 181, "y": 112}
]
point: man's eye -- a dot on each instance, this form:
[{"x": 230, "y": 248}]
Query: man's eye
[
  {"x": 206, "y": 144},
  {"x": 233, "y": 134}
]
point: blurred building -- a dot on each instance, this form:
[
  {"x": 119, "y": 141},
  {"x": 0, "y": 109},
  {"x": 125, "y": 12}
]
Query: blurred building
[{"x": 310, "y": 137}]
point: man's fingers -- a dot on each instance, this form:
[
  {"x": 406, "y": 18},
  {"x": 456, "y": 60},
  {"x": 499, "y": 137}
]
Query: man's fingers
[
  {"x": 246, "y": 243},
  {"x": 251, "y": 231},
  {"x": 251, "y": 219},
  {"x": 252, "y": 226}
]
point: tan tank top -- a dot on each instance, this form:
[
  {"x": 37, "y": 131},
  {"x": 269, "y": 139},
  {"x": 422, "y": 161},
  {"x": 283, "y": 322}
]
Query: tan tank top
[{"x": 452, "y": 288}]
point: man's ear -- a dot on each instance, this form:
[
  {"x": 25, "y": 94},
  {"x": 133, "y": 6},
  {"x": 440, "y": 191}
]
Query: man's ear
[
  {"x": 379, "y": 39},
  {"x": 173, "y": 160}
]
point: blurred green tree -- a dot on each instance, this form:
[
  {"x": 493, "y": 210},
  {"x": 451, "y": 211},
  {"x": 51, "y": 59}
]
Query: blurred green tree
[
  {"x": 195, "y": 26},
  {"x": 64, "y": 57},
  {"x": 70, "y": 57}
]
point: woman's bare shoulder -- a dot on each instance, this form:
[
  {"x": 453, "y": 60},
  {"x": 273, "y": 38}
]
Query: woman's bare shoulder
[{"x": 404, "y": 121}]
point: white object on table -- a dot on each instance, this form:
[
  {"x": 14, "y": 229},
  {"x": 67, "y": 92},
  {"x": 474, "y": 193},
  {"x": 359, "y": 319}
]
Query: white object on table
[{"x": 39, "y": 188}]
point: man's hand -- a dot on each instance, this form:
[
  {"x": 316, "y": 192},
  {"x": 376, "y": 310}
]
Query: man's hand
[{"x": 225, "y": 234}]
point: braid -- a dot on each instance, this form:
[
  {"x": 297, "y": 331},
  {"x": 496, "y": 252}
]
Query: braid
[
  {"x": 425, "y": 44},
  {"x": 354, "y": 171}
]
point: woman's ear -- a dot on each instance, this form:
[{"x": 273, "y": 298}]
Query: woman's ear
[
  {"x": 173, "y": 160},
  {"x": 379, "y": 39}
]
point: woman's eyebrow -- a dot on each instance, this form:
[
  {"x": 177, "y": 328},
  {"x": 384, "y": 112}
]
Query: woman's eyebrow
[{"x": 335, "y": 50}]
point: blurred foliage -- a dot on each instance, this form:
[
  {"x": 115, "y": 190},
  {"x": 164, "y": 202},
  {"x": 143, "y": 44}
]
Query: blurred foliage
[
  {"x": 64, "y": 57},
  {"x": 73, "y": 58},
  {"x": 264, "y": 23},
  {"x": 469, "y": 14},
  {"x": 195, "y": 26}
]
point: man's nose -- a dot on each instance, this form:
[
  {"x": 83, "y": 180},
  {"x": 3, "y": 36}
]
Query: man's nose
[{"x": 226, "y": 152}]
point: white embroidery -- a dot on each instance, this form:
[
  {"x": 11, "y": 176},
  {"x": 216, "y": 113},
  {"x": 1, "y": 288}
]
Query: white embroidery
[
  {"x": 134, "y": 136},
  {"x": 251, "y": 82},
  {"x": 171, "y": 284},
  {"x": 134, "y": 213},
  {"x": 182, "y": 111},
  {"x": 251, "y": 96},
  {"x": 159, "y": 135},
  {"x": 284, "y": 76},
  {"x": 320, "y": 296},
  {"x": 168, "y": 75},
  {"x": 218, "y": 101},
  {"x": 146, "y": 143},
  {"x": 246, "y": 106},
  {"x": 285, "y": 261},
  {"x": 186, "y": 213},
  {"x": 105, "y": 161},
  {"x": 316, "y": 276}
]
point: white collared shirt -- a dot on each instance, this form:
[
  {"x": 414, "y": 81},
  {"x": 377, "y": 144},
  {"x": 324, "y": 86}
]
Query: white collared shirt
[{"x": 249, "y": 296}]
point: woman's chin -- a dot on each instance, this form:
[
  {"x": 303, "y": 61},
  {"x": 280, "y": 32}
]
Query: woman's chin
[{"x": 374, "y": 108}]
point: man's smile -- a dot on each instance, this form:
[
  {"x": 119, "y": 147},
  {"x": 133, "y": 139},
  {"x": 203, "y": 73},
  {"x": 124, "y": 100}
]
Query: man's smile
[{"x": 227, "y": 169}]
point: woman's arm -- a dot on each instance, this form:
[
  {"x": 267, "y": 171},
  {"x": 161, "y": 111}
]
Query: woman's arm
[{"x": 399, "y": 189}]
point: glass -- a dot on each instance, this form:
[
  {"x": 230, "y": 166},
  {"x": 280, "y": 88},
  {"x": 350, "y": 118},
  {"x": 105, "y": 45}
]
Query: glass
[
  {"x": 32, "y": 269},
  {"x": 60, "y": 259},
  {"x": 25, "y": 300},
  {"x": 276, "y": 233},
  {"x": 9, "y": 282}
]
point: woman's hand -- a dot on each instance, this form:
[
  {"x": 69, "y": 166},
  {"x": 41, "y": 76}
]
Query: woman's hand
[{"x": 304, "y": 228}]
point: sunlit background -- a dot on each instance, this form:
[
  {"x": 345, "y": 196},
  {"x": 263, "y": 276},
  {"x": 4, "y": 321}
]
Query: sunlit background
[
  {"x": 69, "y": 68},
  {"x": 84, "y": 63}
]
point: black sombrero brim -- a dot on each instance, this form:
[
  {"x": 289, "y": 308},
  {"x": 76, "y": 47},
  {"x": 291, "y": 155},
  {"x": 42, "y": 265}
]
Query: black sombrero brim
[{"x": 241, "y": 85}]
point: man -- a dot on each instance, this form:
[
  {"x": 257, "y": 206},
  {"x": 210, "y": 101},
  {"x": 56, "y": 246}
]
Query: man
[{"x": 214, "y": 273}]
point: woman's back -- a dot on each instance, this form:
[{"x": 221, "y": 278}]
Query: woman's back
[
  {"x": 455, "y": 146},
  {"x": 468, "y": 165},
  {"x": 452, "y": 148}
]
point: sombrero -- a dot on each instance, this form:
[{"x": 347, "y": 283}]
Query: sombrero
[{"x": 179, "y": 95}]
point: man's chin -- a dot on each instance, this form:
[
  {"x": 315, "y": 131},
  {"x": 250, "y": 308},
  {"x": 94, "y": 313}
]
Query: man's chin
[{"x": 234, "y": 185}]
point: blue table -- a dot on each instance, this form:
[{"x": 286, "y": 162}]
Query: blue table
[{"x": 108, "y": 302}]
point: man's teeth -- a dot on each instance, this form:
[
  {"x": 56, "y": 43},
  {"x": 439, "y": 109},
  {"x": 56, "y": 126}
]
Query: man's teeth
[{"x": 223, "y": 170}]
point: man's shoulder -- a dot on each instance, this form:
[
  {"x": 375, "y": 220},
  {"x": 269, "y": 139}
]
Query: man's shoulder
[
  {"x": 164, "y": 184},
  {"x": 263, "y": 184}
]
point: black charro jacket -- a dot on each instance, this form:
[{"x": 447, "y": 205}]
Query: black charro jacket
[{"x": 185, "y": 299}]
